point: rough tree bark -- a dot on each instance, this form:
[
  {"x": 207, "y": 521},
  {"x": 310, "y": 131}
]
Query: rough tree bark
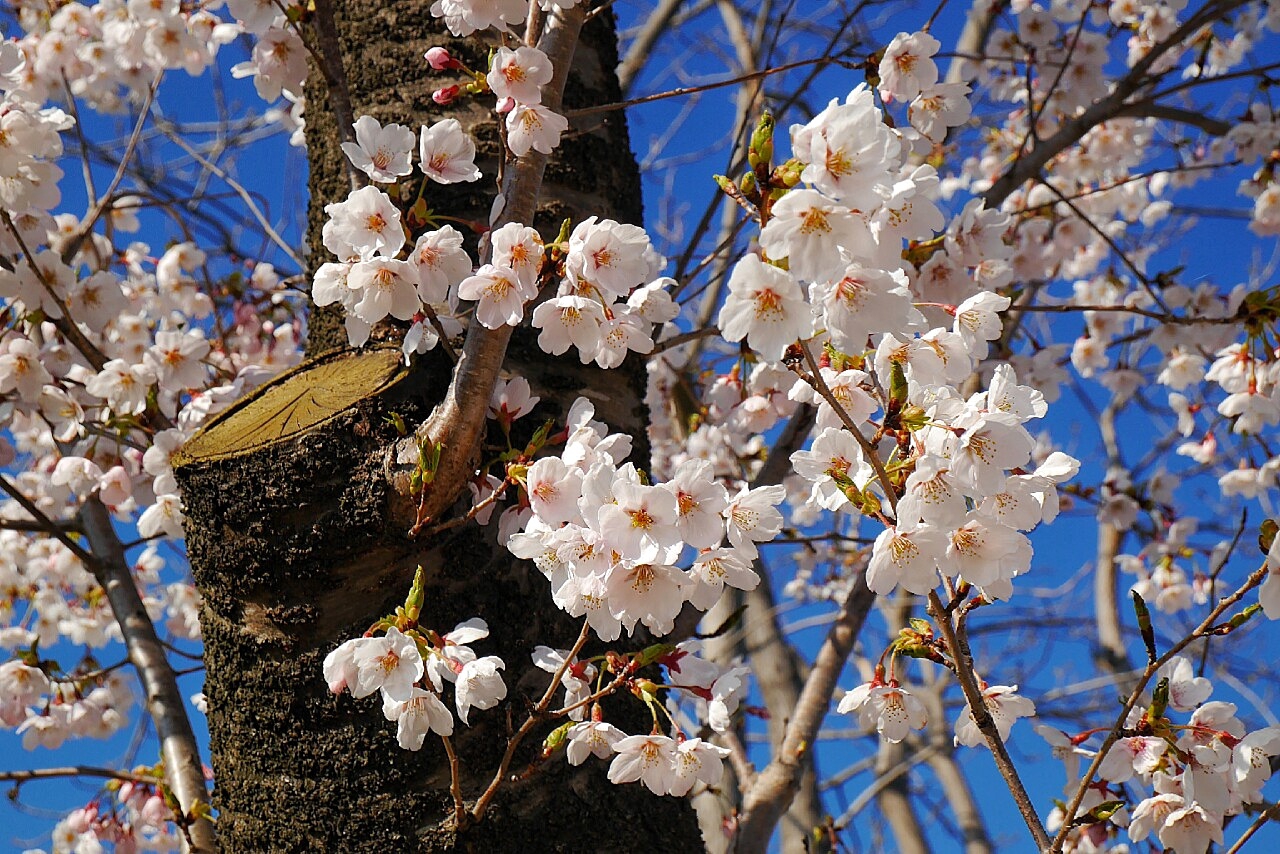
[{"x": 296, "y": 545}]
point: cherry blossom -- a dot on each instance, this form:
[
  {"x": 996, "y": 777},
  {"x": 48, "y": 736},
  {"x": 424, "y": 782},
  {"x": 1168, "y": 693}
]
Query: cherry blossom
[
  {"x": 893, "y": 711},
  {"x": 1005, "y": 707},
  {"x": 534, "y": 127},
  {"x": 765, "y": 307},
  {"x": 447, "y": 154},
  {"x": 381, "y": 152}
]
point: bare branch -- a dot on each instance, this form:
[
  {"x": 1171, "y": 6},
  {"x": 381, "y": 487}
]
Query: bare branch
[
  {"x": 776, "y": 784},
  {"x": 329, "y": 61},
  {"x": 76, "y": 771},
  {"x": 963, "y": 661},
  {"x": 86, "y": 225},
  {"x": 642, "y": 46},
  {"x": 184, "y": 771}
]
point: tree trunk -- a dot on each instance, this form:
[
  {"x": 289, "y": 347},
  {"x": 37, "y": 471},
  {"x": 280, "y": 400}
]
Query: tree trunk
[{"x": 296, "y": 543}]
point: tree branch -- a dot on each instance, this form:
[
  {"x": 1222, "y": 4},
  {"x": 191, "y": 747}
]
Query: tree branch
[
  {"x": 963, "y": 661},
  {"x": 183, "y": 769},
  {"x": 457, "y": 424},
  {"x": 75, "y": 771},
  {"x": 330, "y": 64},
  {"x": 776, "y": 785},
  {"x": 1029, "y": 164},
  {"x": 1069, "y": 814}
]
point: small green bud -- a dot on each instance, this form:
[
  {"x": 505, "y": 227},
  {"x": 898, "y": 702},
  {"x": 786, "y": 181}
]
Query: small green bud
[
  {"x": 760, "y": 151},
  {"x": 1267, "y": 534},
  {"x": 1159, "y": 701},
  {"x": 556, "y": 738},
  {"x": 913, "y": 417},
  {"x": 788, "y": 174}
]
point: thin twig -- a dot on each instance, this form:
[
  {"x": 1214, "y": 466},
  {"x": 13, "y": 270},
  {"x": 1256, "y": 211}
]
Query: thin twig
[
  {"x": 77, "y": 771},
  {"x": 1271, "y": 813},
  {"x": 86, "y": 224},
  {"x": 329, "y": 59},
  {"x": 171, "y": 132},
  {"x": 539, "y": 711},
  {"x": 873, "y": 456},
  {"x": 455, "y": 782},
  {"x": 718, "y": 84},
  {"x": 54, "y": 529},
  {"x": 776, "y": 785}
]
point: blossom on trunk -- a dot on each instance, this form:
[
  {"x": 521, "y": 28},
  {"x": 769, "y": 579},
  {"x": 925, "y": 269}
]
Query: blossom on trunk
[
  {"x": 447, "y": 153},
  {"x": 380, "y": 151}
]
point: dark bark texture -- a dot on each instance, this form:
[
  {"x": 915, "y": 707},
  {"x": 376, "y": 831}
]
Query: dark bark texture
[{"x": 294, "y": 549}]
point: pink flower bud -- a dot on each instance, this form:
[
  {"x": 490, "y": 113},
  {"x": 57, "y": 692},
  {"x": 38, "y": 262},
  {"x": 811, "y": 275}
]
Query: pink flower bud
[
  {"x": 505, "y": 105},
  {"x": 79, "y": 821},
  {"x": 445, "y": 95},
  {"x": 154, "y": 812},
  {"x": 441, "y": 60}
]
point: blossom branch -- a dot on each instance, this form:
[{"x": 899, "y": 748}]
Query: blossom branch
[
  {"x": 1117, "y": 729},
  {"x": 42, "y": 523},
  {"x": 814, "y": 378},
  {"x": 457, "y": 423},
  {"x": 64, "y": 324},
  {"x": 539, "y": 711},
  {"x": 1071, "y": 131}
]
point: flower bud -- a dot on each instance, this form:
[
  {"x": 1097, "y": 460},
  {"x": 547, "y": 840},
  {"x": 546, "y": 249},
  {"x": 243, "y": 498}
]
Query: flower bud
[
  {"x": 445, "y": 95},
  {"x": 440, "y": 59}
]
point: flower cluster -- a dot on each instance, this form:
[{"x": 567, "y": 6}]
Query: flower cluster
[
  {"x": 110, "y": 357},
  {"x": 409, "y": 670},
  {"x": 612, "y": 546},
  {"x": 129, "y": 815},
  {"x": 1198, "y": 773},
  {"x": 666, "y": 765}
]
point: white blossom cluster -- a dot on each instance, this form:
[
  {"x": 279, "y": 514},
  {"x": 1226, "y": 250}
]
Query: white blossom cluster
[
  {"x": 665, "y": 764},
  {"x": 612, "y": 546},
  {"x": 607, "y": 302},
  {"x": 398, "y": 666},
  {"x": 130, "y": 817},
  {"x": 1190, "y": 776},
  {"x": 109, "y": 53}
]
